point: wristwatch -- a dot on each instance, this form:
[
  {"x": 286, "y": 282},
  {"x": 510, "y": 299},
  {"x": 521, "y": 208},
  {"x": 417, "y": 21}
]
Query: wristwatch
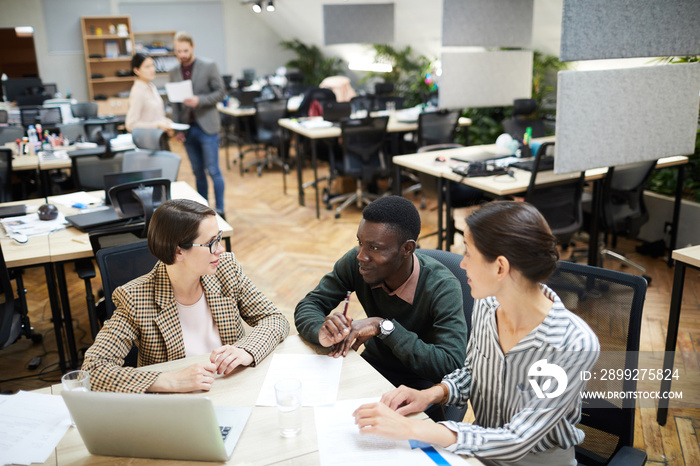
[{"x": 385, "y": 328}]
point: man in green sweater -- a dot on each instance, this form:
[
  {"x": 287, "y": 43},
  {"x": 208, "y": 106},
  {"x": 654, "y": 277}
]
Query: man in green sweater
[{"x": 415, "y": 331}]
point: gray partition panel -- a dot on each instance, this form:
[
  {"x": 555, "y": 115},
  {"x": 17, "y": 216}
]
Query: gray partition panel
[
  {"x": 616, "y": 117},
  {"x": 487, "y": 23},
  {"x": 596, "y": 29},
  {"x": 358, "y": 23},
  {"x": 484, "y": 79},
  {"x": 62, "y": 19},
  {"x": 203, "y": 20}
]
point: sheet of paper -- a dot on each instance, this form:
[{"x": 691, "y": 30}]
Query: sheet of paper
[
  {"x": 179, "y": 91},
  {"x": 31, "y": 425},
  {"x": 340, "y": 441},
  {"x": 77, "y": 198},
  {"x": 319, "y": 375}
]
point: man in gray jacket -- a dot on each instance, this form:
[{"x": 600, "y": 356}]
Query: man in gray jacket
[{"x": 199, "y": 111}]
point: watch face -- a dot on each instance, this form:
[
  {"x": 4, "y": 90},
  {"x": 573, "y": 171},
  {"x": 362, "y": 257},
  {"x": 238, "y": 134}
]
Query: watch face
[{"x": 387, "y": 326}]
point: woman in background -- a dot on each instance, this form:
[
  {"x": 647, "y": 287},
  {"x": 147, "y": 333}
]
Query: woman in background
[
  {"x": 521, "y": 335},
  {"x": 146, "y": 109}
]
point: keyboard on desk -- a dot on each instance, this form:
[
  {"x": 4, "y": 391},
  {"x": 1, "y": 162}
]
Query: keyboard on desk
[{"x": 546, "y": 163}]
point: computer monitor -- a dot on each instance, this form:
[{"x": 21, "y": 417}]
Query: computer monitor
[
  {"x": 15, "y": 87},
  {"x": 114, "y": 179}
]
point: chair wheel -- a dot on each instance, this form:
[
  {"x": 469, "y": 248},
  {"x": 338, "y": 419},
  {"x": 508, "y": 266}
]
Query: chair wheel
[
  {"x": 37, "y": 338},
  {"x": 647, "y": 278},
  {"x": 337, "y": 215}
]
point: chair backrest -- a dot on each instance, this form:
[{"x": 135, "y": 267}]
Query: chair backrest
[
  {"x": 88, "y": 170},
  {"x": 559, "y": 203},
  {"x": 139, "y": 198},
  {"x": 362, "y": 102},
  {"x": 121, "y": 264},
  {"x": 611, "y": 304},
  {"x": 4, "y": 116},
  {"x": 9, "y": 323},
  {"x": 5, "y": 175},
  {"x": 312, "y": 94},
  {"x": 623, "y": 210},
  {"x": 100, "y": 131},
  {"x": 383, "y": 89},
  {"x": 84, "y": 110},
  {"x": 517, "y": 125},
  {"x": 362, "y": 142},
  {"x": 150, "y": 139},
  {"x": 48, "y": 117},
  {"x": 247, "y": 98},
  {"x": 380, "y": 101},
  {"x": 437, "y": 127},
  {"x": 10, "y": 134},
  {"x": 267, "y": 113},
  {"x": 138, "y": 160},
  {"x": 452, "y": 260},
  {"x": 336, "y": 111}
]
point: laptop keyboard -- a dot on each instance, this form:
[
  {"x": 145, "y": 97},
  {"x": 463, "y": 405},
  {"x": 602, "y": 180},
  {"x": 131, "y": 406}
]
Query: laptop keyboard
[{"x": 224, "y": 431}]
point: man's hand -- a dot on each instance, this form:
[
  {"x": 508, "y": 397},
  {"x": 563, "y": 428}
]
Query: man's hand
[
  {"x": 191, "y": 101},
  {"x": 193, "y": 378},
  {"x": 334, "y": 329},
  {"x": 360, "y": 331},
  {"x": 226, "y": 358}
]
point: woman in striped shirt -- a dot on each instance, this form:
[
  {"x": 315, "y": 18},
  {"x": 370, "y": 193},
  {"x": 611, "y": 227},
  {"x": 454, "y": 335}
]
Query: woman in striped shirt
[{"x": 524, "y": 357}]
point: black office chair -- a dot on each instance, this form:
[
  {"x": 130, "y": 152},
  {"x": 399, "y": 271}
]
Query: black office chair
[
  {"x": 523, "y": 111},
  {"x": 452, "y": 260},
  {"x": 363, "y": 159},
  {"x": 139, "y": 198},
  {"x": 100, "y": 131},
  {"x": 49, "y": 118},
  {"x": 560, "y": 203},
  {"x": 384, "y": 89},
  {"x": 49, "y": 90},
  {"x": 268, "y": 134},
  {"x": 623, "y": 210},
  {"x": 150, "y": 139},
  {"x": 84, "y": 110},
  {"x": 119, "y": 265},
  {"x": 89, "y": 166},
  {"x": 362, "y": 103},
  {"x": 5, "y": 175},
  {"x": 601, "y": 297},
  {"x": 319, "y": 96},
  {"x": 14, "y": 315}
]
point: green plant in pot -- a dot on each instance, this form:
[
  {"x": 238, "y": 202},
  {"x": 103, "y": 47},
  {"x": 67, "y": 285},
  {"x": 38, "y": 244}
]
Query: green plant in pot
[{"x": 311, "y": 62}]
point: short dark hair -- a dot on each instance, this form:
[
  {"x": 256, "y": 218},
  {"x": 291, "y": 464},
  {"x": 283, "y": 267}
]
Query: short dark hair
[
  {"x": 397, "y": 212},
  {"x": 519, "y": 232},
  {"x": 175, "y": 224},
  {"x": 137, "y": 60}
]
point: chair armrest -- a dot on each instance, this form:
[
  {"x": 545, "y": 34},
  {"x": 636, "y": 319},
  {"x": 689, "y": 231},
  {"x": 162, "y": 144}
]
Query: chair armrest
[{"x": 628, "y": 456}]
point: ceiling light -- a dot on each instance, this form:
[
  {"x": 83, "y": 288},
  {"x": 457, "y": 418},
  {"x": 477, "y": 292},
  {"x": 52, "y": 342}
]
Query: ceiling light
[
  {"x": 256, "y": 7},
  {"x": 270, "y": 5}
]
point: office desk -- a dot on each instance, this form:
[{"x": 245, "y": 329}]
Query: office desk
[
  {"x": 505, "y": 185},
  {"x": 687, "y": 257},
  {"x": 260, "y": 443},
  {"x": 333, "y": 132}
]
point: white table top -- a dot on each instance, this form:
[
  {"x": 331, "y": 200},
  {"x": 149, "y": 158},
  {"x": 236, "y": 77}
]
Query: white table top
[{"x": 690, "y": 255}]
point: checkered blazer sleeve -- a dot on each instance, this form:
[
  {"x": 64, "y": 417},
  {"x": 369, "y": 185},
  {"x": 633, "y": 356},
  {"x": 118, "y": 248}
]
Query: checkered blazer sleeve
[
  {"x": 269, "y": 326},
  {"x": 105, "y": 358}
]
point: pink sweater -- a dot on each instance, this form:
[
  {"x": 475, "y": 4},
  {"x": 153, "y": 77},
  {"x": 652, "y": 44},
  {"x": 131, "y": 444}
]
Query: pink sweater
[{"x": 146, "y": 108}]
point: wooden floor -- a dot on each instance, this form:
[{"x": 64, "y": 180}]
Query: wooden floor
[{"x": 285, "y": 251}]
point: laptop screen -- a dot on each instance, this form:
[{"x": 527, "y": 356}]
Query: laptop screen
[{"x": 114, "y": 179}]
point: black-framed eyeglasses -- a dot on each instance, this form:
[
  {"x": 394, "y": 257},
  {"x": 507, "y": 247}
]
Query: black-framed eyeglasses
[{"x": 213, "y": 245}]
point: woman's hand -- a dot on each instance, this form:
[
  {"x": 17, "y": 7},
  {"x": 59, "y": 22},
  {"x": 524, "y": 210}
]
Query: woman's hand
[
  {"x": 226, "y": 358},
  {"x": 405, "y": 400},
  {"x": 193, "y": 378},
  {"x": 379, "y": 419}
]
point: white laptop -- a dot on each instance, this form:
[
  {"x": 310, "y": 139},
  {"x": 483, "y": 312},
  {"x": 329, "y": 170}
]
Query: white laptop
[{"x": 178, "y": 427}]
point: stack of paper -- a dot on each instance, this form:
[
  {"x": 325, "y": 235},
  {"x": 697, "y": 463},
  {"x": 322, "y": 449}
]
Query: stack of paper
[{"x": 31, "y": 425}]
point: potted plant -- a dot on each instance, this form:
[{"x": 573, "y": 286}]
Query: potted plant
[{"x": 311, "y": 62}]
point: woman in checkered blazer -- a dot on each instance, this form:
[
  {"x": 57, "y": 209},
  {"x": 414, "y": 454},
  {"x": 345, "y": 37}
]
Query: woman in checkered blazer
[{"x": 193, "y": 302}]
